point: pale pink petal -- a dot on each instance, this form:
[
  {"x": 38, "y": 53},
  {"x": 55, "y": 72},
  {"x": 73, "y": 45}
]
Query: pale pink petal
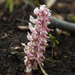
[
  {"x": 45, "y": 36},
  {"x": 33, "y": 30},
  {"x": 47, "y": 29},
  {"x": 29, "y": 54},
  {"x": 42, "y": 7},
  {"x": 30, "y": 26},
  {"x": 32, "y": 19},
  {"x": 37, "y": 22},
  {"x": 36, "y": 11},
  {"x": 29, "y": 37}
]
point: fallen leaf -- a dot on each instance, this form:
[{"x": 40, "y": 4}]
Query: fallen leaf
[
  {"x": 14, "y": 52},
  {"x": 17, "y": 47},
  {"x": 67, "y": 33},
  {"x": 50, "y": 3},
  {"x": 10, "y": 31},
  {"x": 4, "y": 36},
  {"x": 23, "y": 27},
  {"x": 58, "y": 31},
  {"x": 52, "y": 30},
  {"x": 23, "y": 44}
]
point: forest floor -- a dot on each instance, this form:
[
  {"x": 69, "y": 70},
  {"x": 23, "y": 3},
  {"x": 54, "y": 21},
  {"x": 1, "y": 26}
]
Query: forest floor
[{"x": 60, "y": 62}]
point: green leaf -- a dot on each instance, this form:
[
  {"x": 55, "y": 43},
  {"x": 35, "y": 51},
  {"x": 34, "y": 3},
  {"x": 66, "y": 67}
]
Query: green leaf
[
  {"x": 11, "y": 7},
  {"x": 57, "y": 41},
  {"x": 9, "y": 4},
  {"x": 53, "y": 40},
  {"x": 53, "y": 44},
  {"x": 51, "y": 37}
]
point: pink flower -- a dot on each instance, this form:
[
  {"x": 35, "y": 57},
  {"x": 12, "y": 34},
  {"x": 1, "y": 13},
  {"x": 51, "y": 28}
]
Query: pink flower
[
  {"x": 30, "y": 55},
  {"x": 42, "y": 7},
  {"x": 36, "y": 11},
  {"x": 29, "y": 36},
  {"x": 33, "y": 30}
]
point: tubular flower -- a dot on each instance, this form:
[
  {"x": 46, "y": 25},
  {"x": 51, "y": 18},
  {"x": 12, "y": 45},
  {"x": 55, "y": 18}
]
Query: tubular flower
[{"x": 38, "y": 38}]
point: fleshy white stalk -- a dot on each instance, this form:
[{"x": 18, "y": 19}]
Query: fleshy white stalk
[{"x": 38, "y": 38}]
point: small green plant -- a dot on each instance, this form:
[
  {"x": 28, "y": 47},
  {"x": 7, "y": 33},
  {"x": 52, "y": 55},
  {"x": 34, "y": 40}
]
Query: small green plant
[
  {"x": 52, "y": 38},
  {"x": 9, "y": 3}
]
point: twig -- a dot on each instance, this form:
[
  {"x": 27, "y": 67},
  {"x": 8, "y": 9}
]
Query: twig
[
  {"x": 42, "y": 69},
  {"x": 53, "y": 60},
  {"x": 52, "y": 54},
  {"x": 56, "y": 23},
  {"x": 69, "y": 52},
  {"x": 4, "y": 36}
]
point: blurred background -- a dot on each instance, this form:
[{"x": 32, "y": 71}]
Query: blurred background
[{"x": 14, "y": 19}]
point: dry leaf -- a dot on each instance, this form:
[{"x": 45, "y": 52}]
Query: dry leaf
[
  {"x": 23, "y": 44},
  {"x": 10, "y": 31},
  {"x": 17, "y": 47},
  {"x": 59, "y": 31},
  {"x": 14, "y": 52},
  {"x": 23, "y": 27},
  {"x": 67, "y": 33},
  {"x": 50, "y": 3},
  {"x": 4, "y": 36},
  {"x": 52, "y": 30},
  {"x": 58, "y": 16}
]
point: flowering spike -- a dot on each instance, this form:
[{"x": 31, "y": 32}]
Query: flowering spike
[{"x": 38, "y": 38}]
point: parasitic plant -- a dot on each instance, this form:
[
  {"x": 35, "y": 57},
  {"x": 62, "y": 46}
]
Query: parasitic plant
[{"x": 37, "y": 39}]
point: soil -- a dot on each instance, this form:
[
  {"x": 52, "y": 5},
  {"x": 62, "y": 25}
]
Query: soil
[{"x": 60, "y": 62}]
